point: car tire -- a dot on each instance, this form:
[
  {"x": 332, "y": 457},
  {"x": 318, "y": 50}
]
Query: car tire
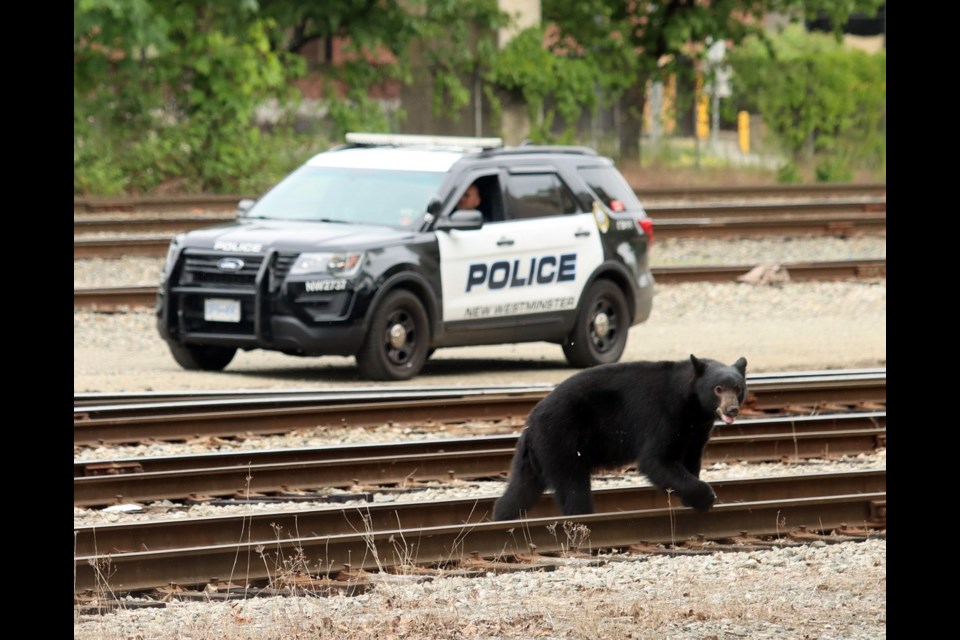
[
  {"x": 600, "y": 333},
  {"x": 397, "y": 344},
  {"x": 197, "y": 357}
]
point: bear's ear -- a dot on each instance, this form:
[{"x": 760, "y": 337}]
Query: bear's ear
[
  {"x": 698, "y": 366},
  {"x": 741, "y": 366}
]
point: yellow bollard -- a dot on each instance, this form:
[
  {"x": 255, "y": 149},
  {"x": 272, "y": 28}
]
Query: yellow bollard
[
  {"x": 743, "y": 131},
  {"x": 703, "y": 117}
]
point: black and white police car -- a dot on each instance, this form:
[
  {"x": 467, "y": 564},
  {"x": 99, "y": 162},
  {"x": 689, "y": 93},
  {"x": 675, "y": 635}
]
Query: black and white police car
[{"x": 363, "y": 252}]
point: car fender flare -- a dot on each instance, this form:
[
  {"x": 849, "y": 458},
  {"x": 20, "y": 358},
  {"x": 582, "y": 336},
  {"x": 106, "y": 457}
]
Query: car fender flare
[
  {"x": 414, "y": 282},
  {"x": 617, "y": 273}
]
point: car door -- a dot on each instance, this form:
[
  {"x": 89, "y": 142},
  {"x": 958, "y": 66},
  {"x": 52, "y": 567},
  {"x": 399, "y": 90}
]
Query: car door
[{"x": 527, "y": 267}]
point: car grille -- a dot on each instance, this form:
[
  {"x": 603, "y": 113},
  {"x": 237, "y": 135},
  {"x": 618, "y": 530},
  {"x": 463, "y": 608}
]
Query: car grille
[
  {"x": 200, "y": 273},
  {"x": 202, "y": 269},
  {"x": 282, "y": 265}
]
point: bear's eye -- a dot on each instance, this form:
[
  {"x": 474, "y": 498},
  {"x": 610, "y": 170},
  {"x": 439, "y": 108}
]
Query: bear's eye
[{"x": 718, "y": 389}]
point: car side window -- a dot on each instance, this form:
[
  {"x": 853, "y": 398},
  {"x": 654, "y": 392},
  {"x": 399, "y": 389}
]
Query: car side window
[
  {"x": 610, "y": 187},
  {"x": 537, "y": 195}
]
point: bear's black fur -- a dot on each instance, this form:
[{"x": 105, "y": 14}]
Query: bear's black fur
[{"x": 656, "y": 414}]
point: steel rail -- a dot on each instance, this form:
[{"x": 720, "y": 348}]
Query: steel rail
[
  {"x": 795, "y": 271},
  {"x": 83, "y": 399},
  {"x": 836, "y": 225},
  {"x": 767, "y": 210},
  {"x": 184, "y": 421},
  {"x": 816, "y": 209},
  {"x": 263, "y": 525},
  {"x": 824, "y": 225},
  {"x": 300, "y": 472},
  {"x": 822, "y": 190},
  {"x": 120, "y": 247},
  {"x": 94, "y": 405},
  {"x": 146, "y": 296},
  {"x": 874, "y": 421},
  {"x": 447, "y": 532},
  {"x": 212, "y": 202},
  {"x": 94, "y": 398},
  {"x": 106, "y": 298},
  {"x": 187, "y": 426},
  {"x": 279, "y": 399}
]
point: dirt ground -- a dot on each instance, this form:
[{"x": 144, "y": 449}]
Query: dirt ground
[{"x": 137, "y": 360}]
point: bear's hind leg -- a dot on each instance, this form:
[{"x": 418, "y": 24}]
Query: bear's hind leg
[
  {"x": 524, "y": 487},
  {"x": 573, "y": 495},
  {"x": 520, "y": 495}
]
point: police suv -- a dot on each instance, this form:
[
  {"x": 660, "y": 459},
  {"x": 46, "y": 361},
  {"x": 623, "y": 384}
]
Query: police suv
[{"x": 363, "y": 252}]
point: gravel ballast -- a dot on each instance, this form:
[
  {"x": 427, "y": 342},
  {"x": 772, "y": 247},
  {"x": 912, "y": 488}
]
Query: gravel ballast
[
  {"x": 829, "y": 592},
  {"x": 818, "y": 590}
]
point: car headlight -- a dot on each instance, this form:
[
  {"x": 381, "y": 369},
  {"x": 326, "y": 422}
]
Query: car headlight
[{"x": 344, "y": 264}]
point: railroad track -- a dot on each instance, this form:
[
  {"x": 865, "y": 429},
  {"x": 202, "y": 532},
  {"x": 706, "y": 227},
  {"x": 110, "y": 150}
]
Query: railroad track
[
  {"x": 306, "y": 473},
  {"x": 349, "y": 545},
  {"x": 85, "y": 205},
  {"x": 110, "y": 398},
  {"x": 836, "y": 226},
  {"x": 836, "y": 218},
  {"x": 323, "y": 550},
  {"x": 282, "y": 413},
  {"x": 145, "y": 296},
  {"x": 865, "y": 208}
]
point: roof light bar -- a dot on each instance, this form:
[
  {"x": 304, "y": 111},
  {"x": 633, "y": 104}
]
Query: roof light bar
[{"x": 402, "y": 139}]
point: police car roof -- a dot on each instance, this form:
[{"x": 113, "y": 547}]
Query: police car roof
[
  {"x": 413, "y": 152},
  {"x": 406, "y": 158}
]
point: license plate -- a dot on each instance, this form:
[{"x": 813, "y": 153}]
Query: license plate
[{"x": 221, "y": 310}]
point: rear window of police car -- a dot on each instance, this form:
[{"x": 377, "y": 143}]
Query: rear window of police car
[{"x": 610, "y": 187}]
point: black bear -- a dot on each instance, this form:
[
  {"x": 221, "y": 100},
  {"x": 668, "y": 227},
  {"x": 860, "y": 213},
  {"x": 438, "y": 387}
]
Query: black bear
[{"x": 657, "y": 414}]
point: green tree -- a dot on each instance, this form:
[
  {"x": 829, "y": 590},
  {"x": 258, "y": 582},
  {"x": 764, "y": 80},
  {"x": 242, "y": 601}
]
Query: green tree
[
  {"x": 169, "y": 90},
  {"x": 824, "y": 103},
  {"x": 549, "y": 84},
  {"x": 447, "y": 41},
  {"x": 648, "y": 41}
]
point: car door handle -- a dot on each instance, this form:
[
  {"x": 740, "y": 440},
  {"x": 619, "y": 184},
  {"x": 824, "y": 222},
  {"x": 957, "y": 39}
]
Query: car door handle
[
  {"x": 504, "y": 242},
  {"x": 581, "y": 233}
]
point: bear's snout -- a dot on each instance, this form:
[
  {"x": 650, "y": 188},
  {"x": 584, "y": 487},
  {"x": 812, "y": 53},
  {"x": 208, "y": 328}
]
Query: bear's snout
[
  {"x": 729, "y": 407},
  {"x": 728, "y": 414}
]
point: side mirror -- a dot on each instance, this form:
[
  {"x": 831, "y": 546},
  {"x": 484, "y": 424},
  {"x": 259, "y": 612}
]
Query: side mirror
[
  {"x": 244, "y": 206},
  {"x": 463, "y": 219},
  {"x": 434, "y": 207}
]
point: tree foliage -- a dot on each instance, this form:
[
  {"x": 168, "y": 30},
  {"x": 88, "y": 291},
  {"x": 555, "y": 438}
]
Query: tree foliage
[
  {"x": 641, "y": 42},
  {"x": 550, "y": 85},
  {"x": 821, "y": 101},
  {"x": 169, "y": 91}
]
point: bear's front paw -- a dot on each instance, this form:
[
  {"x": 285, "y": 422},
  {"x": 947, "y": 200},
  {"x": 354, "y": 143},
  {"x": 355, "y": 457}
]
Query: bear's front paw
[{"x": 701, "y": 498}]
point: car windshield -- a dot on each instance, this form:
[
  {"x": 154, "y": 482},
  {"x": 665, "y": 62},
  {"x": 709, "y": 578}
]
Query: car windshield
[{"x": 349, "y": 195}]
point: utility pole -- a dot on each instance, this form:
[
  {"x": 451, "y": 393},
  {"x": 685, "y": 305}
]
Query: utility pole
[{"x": 719, "y": 85}]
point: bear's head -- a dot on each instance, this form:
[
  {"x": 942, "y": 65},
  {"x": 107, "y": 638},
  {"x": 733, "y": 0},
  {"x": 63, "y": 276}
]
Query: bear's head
[{"x": 720, "y": 388}]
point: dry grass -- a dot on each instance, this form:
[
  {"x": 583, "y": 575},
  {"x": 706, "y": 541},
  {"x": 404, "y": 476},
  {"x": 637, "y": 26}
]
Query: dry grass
[
  {"x": 641, "y": 177},
  {"x": 727, "y": 595},
  {"x": 660, "y": 175},
  {"x": 746, "y": 594},
  {"x": 674, "y": 162}
]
